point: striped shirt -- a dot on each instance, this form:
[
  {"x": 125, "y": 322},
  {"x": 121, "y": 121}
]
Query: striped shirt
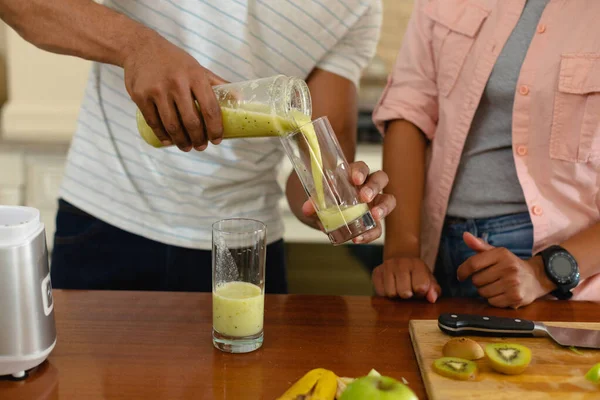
[{"x": 174, "y": 197}]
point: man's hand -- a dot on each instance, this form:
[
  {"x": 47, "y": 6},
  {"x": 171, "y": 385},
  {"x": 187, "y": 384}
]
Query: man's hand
[
  {"x": 407, "y": 278},
  {"x": 371, "y": 185},
  {"x": 165, "y": 81},
  {"x": 501, "y": 277}
]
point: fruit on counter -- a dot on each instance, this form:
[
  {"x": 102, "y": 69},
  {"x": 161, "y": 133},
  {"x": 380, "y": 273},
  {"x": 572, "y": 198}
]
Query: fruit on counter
[
  {"x": 463, "y": 348},
  {"x": 342, "y": 384},
  {"x": 377, "y": 387},
  {"x": 317, "y": 384},
  {"x": 593, "y": 375},
  {"x": 456, "y": 368},
  {"x": 326, "y": 387},
  {"x": 508, "y": 358}
]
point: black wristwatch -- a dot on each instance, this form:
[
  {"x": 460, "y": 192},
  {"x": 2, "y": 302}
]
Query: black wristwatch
[{"x": 562, "y": 269}]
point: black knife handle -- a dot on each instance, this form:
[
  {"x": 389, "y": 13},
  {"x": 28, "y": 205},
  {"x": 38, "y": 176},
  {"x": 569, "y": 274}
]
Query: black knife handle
[{"x": 479, "y": 325}]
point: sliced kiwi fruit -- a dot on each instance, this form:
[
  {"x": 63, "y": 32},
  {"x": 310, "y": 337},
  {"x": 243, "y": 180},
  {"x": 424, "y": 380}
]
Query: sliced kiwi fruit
[
  {"x": 463, "y": 348},
  {"x": 508, "y": 358},
  {"x": 593, "y": 375},
  {"x": 455, "y": 368}
]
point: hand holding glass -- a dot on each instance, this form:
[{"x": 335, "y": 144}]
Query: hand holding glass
[{"x": 324, "y": 172}]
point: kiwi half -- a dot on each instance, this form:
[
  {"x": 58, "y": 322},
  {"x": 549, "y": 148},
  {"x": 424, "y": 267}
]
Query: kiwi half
[
  {"x": 508, "y": 358},
  {"x": 463, "y": 348},
  {"x": 455, "y": 368}
]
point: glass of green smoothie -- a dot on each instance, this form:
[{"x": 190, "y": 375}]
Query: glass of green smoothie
[
  {"x": 317, "y": 158},
  {"x": 238, "y": 283}
]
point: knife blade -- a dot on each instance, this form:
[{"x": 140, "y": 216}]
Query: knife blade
[{"x": 480, "y": 325}]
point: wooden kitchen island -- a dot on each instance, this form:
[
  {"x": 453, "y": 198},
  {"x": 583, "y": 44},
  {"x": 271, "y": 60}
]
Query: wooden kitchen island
[{"x": 141, "y": 345}]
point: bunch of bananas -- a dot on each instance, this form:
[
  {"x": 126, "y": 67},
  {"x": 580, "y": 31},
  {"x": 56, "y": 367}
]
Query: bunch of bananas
[{"x": 317, "y": 384}]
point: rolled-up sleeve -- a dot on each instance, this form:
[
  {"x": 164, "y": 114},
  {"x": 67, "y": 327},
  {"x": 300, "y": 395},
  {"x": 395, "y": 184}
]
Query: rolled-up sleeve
[{"x": 411, "y": 92}]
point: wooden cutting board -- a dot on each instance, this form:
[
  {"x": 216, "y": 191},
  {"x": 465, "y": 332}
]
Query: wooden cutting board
[{"x": 554, "y": 373}]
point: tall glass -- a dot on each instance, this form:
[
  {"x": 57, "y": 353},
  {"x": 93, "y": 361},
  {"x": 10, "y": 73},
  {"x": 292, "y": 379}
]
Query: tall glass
[
  {"x": 317, "y": 157},
  {"x": 238, "y": 267}
]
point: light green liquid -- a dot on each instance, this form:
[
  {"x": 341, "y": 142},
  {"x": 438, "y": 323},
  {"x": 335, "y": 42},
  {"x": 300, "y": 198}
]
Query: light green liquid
[{"x": 238, "y": 309}]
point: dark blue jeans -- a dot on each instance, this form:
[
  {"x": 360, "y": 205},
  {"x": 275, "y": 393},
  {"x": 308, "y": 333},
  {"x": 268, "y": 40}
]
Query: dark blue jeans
[
  {"x": 91, "y": 254},
  {"x": 514, "y": 232}
]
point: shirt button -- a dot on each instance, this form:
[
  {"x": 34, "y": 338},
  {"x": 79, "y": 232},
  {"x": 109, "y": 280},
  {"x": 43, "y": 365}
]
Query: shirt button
[
  {"x": 524, "y": 90},
  {"x": 537, "y": 210},
  {"x": 522, "y": 150},
  {"x": 541, "y": 28}
]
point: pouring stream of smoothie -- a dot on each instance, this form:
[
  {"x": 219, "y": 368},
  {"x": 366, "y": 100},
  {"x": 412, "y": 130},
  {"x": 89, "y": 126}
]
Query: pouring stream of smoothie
[{"x": 254, "y": 120}]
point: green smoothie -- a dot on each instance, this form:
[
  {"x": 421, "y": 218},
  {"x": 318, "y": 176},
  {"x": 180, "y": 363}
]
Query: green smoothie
[
  {"x": 334, "y": 218},
  {"x": 247, "y": 122},
  {"x": 238, "y": 309}
]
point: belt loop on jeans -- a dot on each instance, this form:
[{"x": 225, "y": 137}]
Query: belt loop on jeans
[{"x": 454, "y": 221}]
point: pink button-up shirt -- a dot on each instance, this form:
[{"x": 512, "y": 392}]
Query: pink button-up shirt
[{"x": 445, "y": 61}]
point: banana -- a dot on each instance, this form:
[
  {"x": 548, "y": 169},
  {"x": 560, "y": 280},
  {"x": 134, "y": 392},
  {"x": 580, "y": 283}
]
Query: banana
[
  {"x": 326, "y": 387},
  {"x": 304, "y": 385},
  {"x": 317, "y": 384}
]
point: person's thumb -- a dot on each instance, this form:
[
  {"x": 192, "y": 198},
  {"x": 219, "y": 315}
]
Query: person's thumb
[{"x": 475, "y": 243}]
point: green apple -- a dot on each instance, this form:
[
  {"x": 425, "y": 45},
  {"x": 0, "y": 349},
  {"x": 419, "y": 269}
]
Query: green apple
[
  {"x": 593, "y": 374},
  {"x": 377, "y": 388}
]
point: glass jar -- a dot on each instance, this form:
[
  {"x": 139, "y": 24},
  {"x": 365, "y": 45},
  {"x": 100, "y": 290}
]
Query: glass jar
[{"x": 265, "y": 107}]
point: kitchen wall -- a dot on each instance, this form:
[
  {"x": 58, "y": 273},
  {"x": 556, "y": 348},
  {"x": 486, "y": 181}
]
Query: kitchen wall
[
  {"x": 40, "y": 95},
  {"x": 395, "y": 18}
]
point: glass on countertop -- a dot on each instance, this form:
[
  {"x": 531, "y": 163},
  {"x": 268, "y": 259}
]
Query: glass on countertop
[{"x": 238, "y": 275}]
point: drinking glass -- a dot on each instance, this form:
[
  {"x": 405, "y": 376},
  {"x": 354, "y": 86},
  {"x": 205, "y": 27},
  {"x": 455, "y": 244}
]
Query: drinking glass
[
  {"x": 238, "y": 284},
  {"x": 317, "y": 158}
]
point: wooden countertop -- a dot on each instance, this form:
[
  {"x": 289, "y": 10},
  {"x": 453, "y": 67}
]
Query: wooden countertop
[{"x": 141, "y": 345}]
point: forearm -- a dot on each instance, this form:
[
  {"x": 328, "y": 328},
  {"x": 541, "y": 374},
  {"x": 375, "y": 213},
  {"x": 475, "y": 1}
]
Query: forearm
[
  {"x": 585, "y": 247},
  {"x": 404, "y": 162},
  {"x": 79, "y": 28}
]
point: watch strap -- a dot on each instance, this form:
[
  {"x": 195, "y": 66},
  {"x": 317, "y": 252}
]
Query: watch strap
[{"x": 562, "y": 294}]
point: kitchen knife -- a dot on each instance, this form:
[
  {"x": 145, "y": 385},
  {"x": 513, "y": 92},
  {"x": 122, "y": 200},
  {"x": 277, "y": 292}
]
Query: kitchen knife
[{"x": 478, "y": 325}]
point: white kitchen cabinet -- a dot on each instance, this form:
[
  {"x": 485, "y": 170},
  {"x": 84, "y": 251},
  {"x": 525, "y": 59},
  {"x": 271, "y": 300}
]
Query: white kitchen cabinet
[
  {"x": 12, "y": 179},
  {"x": 11, "y": 196},
  {"x": 44, "y": 176}
]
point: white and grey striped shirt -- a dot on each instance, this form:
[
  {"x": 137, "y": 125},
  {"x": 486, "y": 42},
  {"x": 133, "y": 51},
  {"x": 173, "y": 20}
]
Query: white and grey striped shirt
[{"x": 171, "y": 196}]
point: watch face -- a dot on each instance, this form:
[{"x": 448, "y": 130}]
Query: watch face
[{"x": 563, "y": 267}]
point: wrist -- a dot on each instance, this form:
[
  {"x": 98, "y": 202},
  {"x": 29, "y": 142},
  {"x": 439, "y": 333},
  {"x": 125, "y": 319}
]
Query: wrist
[
  {"x": 408, "y": 246},
  {"x": 546, "y": 284},
  {"x": 401, "y": 253},
  {"x": 137, "y": 41}
]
